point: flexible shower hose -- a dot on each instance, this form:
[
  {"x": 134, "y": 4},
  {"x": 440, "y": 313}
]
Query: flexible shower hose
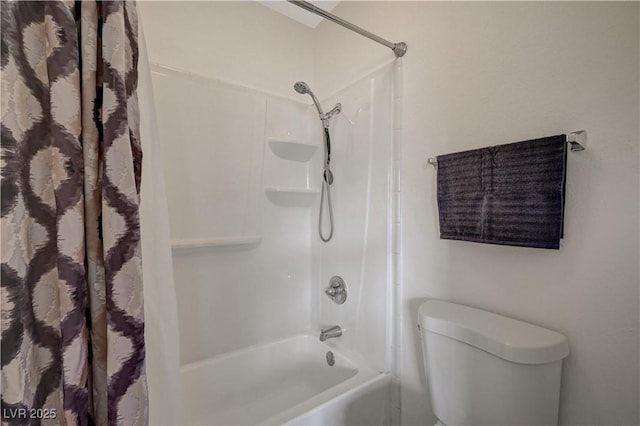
[{"x": 326, "y": 187}]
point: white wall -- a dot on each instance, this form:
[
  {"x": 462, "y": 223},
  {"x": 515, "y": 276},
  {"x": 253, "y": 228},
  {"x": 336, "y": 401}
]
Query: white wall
[
  {"x": 478, "y": 74},
  {"x": 234, "y": 41}
]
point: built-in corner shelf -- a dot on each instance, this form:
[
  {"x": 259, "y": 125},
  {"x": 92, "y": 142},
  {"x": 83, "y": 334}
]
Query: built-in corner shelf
[
  {"x": 291, "y": 197},
  {"x": 292, "y": 149},
  {"x": 181, "y": 246}
]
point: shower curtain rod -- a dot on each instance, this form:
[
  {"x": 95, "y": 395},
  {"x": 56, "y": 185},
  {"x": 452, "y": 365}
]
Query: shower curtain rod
[{"x": 398, "y": 48}]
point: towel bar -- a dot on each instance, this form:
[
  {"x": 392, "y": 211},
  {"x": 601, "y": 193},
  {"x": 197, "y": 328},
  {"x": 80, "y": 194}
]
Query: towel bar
[{"x": 577, "y": 141}]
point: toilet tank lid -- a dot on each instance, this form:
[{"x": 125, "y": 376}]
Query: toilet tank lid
[{"x": 507, "y": 338}]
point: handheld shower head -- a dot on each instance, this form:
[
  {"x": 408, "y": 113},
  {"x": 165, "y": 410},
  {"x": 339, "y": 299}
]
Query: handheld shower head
[{"x": 303, "y": 88}]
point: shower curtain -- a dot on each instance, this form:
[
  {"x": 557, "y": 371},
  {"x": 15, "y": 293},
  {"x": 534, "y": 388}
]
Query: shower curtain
[{"x": 73, "y": 349}]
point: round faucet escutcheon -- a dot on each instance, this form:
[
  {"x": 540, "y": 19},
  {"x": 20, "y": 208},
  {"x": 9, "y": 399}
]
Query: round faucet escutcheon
[{"x": 337, "y": 290}]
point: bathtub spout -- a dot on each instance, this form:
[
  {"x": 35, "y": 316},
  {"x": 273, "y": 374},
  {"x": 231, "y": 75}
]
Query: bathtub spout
[{"x": 331, "y": 332}]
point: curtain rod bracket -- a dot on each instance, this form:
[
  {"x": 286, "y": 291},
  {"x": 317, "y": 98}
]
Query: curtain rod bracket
[{"x": 400, "y": 49}]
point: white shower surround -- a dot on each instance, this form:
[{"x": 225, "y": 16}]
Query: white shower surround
[
  {"x": 213, "y": 129},
  {"x": 213, "y": 134},
  {"x": 361, "y": 249}
]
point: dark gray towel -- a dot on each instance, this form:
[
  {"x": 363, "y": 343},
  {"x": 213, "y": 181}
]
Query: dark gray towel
[{"x": 509, "y": 194}]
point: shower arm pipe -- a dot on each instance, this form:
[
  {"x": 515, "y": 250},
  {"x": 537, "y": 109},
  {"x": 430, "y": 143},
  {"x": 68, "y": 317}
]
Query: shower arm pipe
[{"x": 399, "y": 49}]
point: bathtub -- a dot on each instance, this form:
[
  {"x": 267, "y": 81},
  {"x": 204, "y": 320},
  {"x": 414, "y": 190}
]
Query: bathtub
[{"x": 287, "y": 382}]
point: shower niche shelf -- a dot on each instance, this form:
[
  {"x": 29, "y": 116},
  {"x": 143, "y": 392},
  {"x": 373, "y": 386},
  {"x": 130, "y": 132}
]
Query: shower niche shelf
[
  {"x": 292, "y": 149},
  {"x": 182, "y": 246},
  {"x": 291, "y": 197}
]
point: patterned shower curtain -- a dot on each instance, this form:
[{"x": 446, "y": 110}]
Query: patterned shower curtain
[{"x": 72, "y": 315}]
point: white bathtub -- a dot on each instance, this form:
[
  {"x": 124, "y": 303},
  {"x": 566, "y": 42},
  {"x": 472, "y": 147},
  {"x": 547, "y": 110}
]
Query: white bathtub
[{"x": 285, "y": 382}]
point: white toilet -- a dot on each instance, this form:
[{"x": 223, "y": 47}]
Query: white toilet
[{"x": 487, "y": 369}]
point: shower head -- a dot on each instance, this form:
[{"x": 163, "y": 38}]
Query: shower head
[{"x": 303, "y": 88}]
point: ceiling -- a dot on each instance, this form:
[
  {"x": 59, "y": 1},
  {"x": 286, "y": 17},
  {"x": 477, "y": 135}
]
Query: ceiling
[{"x": 296, "y": 13}]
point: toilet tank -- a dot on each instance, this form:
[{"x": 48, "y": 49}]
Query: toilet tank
[{"x": 487, "y": 369}]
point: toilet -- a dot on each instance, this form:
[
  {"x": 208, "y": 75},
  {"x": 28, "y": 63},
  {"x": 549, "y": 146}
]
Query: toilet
[{"x": 487, "y": 369}]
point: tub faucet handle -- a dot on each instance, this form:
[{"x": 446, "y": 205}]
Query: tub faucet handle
[
  {"x": 337, "y": 290},
  {"x": 332, "y": 291},
  {"x": 330, "y": 333}
]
